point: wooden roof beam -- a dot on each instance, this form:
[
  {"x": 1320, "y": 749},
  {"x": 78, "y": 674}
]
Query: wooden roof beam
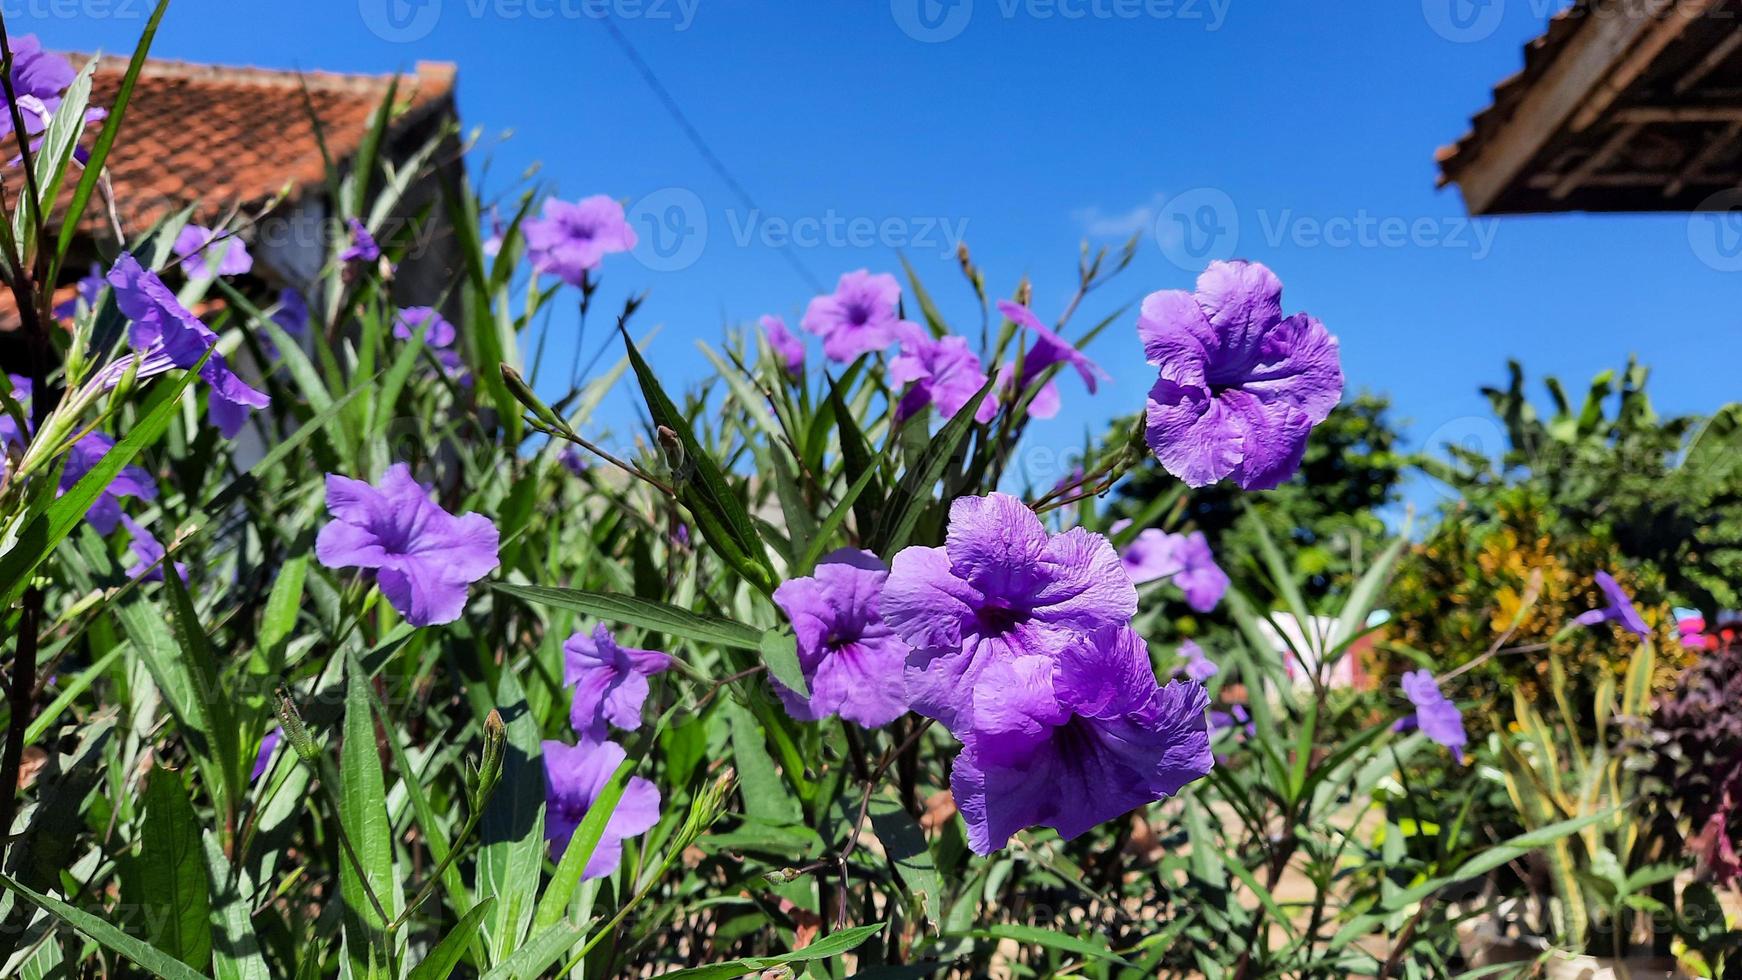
[
  {"x": 1590, "y": 55},
  {"x": 1702, "y": 159},
  {"x": 1661, "y": 34}
]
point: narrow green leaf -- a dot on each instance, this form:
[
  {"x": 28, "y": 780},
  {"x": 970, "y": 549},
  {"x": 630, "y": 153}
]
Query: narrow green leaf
[
  {"x": 705, "y": 491},
  {"x": 366, "y": 867},
  {"x": 141, "y": 954},
  {"x": 511, "y": 853},
  {"x": 439, "y": 964},
  {"x": 841, "y": 942},
  {"x": 669, "y": 620},
  {"x": 780, "y": 653},
  {"x": 172, "y": 871},
  {"x": 913, "y": 493}
]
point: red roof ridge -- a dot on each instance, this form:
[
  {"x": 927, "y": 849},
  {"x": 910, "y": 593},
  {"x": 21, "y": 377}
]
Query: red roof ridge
[{"x": 437, "y": 75}]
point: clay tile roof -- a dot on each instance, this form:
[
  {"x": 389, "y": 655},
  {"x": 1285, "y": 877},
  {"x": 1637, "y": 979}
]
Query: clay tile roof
[
  {"x": 223, "y": 136},
  {"x": 1539, "y": 53}
]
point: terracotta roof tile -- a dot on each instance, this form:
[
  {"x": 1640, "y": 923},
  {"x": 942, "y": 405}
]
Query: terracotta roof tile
[{"x": 222, "y": 136}]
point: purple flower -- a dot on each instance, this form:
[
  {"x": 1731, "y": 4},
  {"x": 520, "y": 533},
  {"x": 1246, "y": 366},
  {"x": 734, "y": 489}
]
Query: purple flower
[
  {"x": 943, "y": 372},
  {"x": 441, "y": 333},
  {"x": 168, "y": 336},
  {"x": 424, "y": 556},
  {"x": 1185, "y": 558},
  {"x": 88, "y": 290},
  {"x": 493, "y": 242},
  {"x": 1001, "y": 588},
  {"x": 570, "y": 239},
  {"x": 573, "y": 460},
  {"x": 148, "y": 554},
  {"x": 1048, "y": 349},
  {"x": 1438, "y": 717},
  {"x": 858, "y": 317},
  {"x": 852, "y": 661},
  {"x": 787, "y": 347},
  {"x": 1197, "y": 666},
  {"x": 263, "y": 759},
  {"x": 208, "y": 253},
  {"x": 362, "y": 247},
  {"x": 10, "y": 435},
  {"x": 574, "y": 776},
  {"x": 610, "y": 682},
  {"x": 1240, "y": 386},
  {"x": 1619, "y": 610},
  {"x": 1237, "y": 718},
  {"x": 131, "y": 481},
  {"x": 39, "y": 79},
  {"x": 1073, "y": 741}
]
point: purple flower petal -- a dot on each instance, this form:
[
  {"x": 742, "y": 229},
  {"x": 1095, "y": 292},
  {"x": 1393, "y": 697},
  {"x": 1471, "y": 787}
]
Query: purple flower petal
[
  {"x": 943, "y": 372},
  {"x": 786, "y": 346},
  {"x": 207, "y": 253},
  {"x": 425, "y": 556},
  {"x": 1239, "y": 387},
  {"x": 571, "y": 239},
  {"x": 574, "y": 776},
  {"x": 1439, "y": 718},
  {"x": 610, "y": 682},
  {"x": 1073, "y": 742},
  {"x": 852, "y": 661},
  {"x": 1001, "y": 588},
  {"x": 859, "y": 317}
]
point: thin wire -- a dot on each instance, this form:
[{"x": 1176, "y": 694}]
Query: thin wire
[{"x": 695, "y": 137}]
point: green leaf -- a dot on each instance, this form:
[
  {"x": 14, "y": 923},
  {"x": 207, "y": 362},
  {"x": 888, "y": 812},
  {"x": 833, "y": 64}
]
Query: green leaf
[
  {"x": 94, "y": 166},
  {"x": 765, "y": 794},
  {"x": 46, "y": 531},
  {"x": 657, "y": 616},
  {"x": 1035, "y": 936},
  {"x": 719, "y": 513},
  {"x": 1499, "y": 854},
  {"x": 858, "y": 461},
  {"x": 831, "y": 524},
  {"x": 236, "y": 953},
  {"x": 780, "y": 653},
  {"x": 511, "y": 853},
  {"x": 913, "y": 493},
  {"x": 529, "y": 959},
  {"x": 555, "y": 902},
  {"x": 904, "y": 844},
  {"x": 196, "y": 651},
  {"x": 366, "y": 866},
  {"x": 841, "y": 942},
  {"x": 172, "y": 871},
  {"x": 440, "y": 962},
  {"x": 147, "y": 957}
]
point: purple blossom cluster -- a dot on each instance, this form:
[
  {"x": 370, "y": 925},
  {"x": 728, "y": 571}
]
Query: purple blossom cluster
[
  {"x": 1019, "y": 642},
  {"x": 1435, "y": 716},
  {"x": 610, "y": 688},
  {"x": 1184, "y": 559}
]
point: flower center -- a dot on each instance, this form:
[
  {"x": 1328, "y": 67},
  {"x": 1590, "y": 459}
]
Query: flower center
[
  {"x": 996, "y": 619},
  {"x": 858, "y": 314}
]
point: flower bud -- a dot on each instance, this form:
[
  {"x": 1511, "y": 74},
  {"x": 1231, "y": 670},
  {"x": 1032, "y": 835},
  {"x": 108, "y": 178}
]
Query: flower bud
[
  {"x": 490, "y": 766},
  {"x": 294, "y": 730}
]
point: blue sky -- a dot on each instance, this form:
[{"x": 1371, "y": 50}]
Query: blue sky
[{"x": 1295, "y": 132}]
